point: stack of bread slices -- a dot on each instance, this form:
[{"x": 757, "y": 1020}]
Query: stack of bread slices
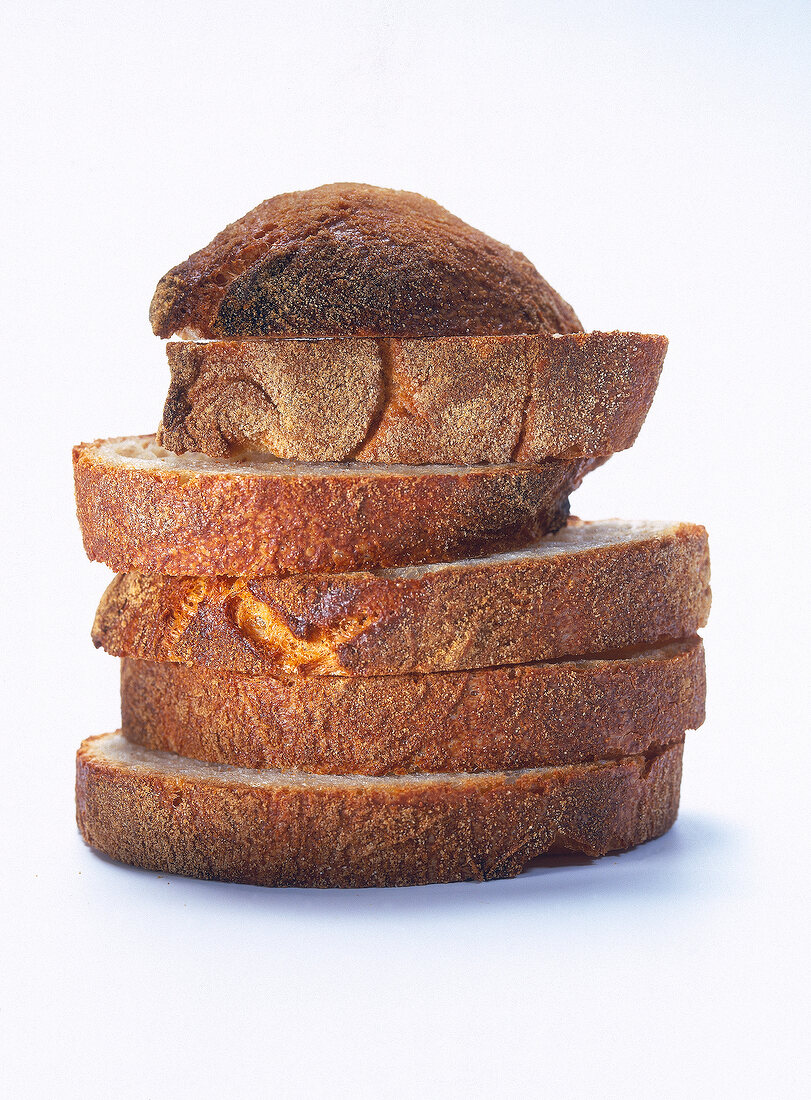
[{"x": 362, "y": 643}]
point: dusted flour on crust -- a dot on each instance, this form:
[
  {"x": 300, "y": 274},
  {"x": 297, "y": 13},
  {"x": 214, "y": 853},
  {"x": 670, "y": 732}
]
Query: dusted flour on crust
[{"x": 461, "y": 400}]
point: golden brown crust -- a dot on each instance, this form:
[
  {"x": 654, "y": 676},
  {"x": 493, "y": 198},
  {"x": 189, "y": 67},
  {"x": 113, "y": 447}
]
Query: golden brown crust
[
  {"x": 520, "y": 716},
  {"x": 460, "y": 400},
  {"x": 349, "y": 259},
  {"x": 156, "y": 811},
  {"x": 247, "y": 522},
  {"x": 588, "y": 589}
]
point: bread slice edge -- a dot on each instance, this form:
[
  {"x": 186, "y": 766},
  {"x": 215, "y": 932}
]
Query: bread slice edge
[{"x": 164, "y": 813}]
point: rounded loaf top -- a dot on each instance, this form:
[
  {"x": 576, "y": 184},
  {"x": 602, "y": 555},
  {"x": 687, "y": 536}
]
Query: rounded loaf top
[{"x": 351, "y": 259}]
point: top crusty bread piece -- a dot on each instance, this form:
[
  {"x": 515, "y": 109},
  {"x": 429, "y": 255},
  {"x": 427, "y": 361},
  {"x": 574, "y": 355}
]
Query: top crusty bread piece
[
  {"x": 458, "y": 399},
  {"x": 141, "y": 507},
  {"x": 590, "y": 588},
  {"x": 350, "y": 259}
]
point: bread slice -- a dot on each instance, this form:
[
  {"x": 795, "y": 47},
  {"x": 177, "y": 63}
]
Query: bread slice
[
  {"x": 350, "y": 259},
  {"x": 591, "y": 587},
  {"x": 142, "y": 507},
  {"x": 459, "y": 400},
  {"x": 275, "y": 828},
  {"x": 521, "y": 716}
]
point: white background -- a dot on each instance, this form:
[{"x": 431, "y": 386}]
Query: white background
[{"x": 651, "y": 159}]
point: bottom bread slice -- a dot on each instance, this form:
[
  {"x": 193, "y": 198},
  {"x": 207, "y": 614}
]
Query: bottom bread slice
[{"x": 271, "y": 828}]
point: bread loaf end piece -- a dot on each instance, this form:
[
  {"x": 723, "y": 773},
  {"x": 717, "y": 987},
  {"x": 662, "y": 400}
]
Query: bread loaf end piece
[{"x": 350, "y": 259}]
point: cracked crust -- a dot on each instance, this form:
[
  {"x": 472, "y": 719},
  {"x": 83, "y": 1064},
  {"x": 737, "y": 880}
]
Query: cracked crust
[
  {"x": 460, "y": 400},
  {"x": 520, "y": 716},
  {"x": 143, "y": 508},
  {"x": 168, "y": 814},
  {"x": 591, "y": 587},
  {"x": 350, "y": 259}
]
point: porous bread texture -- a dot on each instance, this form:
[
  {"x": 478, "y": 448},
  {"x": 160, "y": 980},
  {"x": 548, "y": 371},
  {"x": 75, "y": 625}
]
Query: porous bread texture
[
  {"x": 270, "y": 828},
  {"x": 350, "y": 259},
  {"x": 458, "y": 400},
  {"x": 141, "y": 507},
  {"x": 589, "y": 588},
  {"x": 520, "y": 716}
]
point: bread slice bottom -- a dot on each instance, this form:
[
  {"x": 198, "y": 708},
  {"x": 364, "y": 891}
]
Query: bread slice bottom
[{"x": 166, "y": 813}]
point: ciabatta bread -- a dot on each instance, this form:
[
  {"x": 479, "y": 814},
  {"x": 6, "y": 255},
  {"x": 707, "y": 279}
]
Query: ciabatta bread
[
  {"x": 591, "y": 587},
  {"x": 350, "y": 259},
  {"x": 494, "y": 719},
  {"x": 457, "y": 400},
  {"x": 142, "y": 507},
  {"x": 273, "y": 828}
]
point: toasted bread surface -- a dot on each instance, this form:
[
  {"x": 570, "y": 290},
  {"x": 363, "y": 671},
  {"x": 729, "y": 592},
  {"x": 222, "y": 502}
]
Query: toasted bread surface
[
  {"x": 458, "y": 400},
  {"x": 589, "y": 588},
  {"x": 519, "y": 716},
  {"x": 350, "y": 259},
  {"x": 166, "y": 813},
  {"x": 141, "y": 507}
]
